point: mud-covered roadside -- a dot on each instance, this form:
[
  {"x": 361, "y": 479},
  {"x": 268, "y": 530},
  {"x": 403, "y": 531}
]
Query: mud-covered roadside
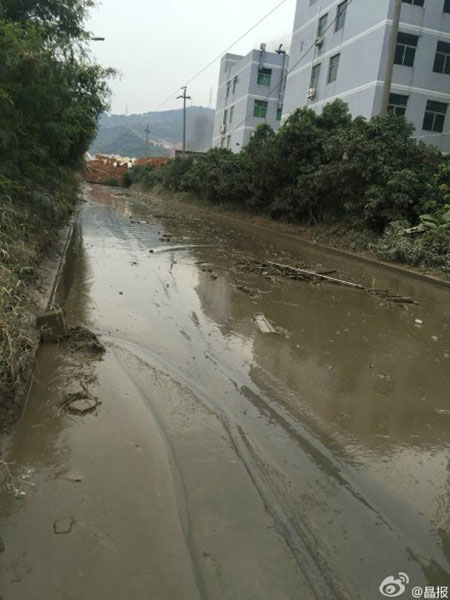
[
  {"x": 31, "y": 296},
  {"x": 250, "y": 431},
  {"x": 339, "y": 239}
]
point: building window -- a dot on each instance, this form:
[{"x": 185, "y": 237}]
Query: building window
[
  {"x": 225, "y": 116},
  {"x": 415, "y": 2},
  {"x": 235, "y": 80},
  {"x": 397, "y": 104},
  {"x": 264, "y": 76},
  {"x": 260, "y": 109},
  {"x": 405, "y": 52},
  {"x": 322, "y": 25},
  {"x": 228, "y": 89},
  {"x": 442, "y": 59},
  {"x": 447, "y": 6},
  {"x": 434, "y": 116},
  {"x": 341, "y": 14},
  {"x": 333, "y": 68},
  {"x": 231, "y": 114},
  {"x": 228, "y": 141},
  {"x": 279, "y": 113},
  {"x": 315, "y": 73}
]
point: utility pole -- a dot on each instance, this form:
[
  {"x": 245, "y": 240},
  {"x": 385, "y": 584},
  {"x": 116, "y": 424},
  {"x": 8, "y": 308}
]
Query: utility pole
[
  {"x": 147, "y": 133},
  {"x": 185, "y": 97},
  {"x": 391, "y": 56}
]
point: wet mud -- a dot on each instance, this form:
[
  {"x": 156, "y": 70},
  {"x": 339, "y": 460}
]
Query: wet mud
[{"x": 245, "y": 434}]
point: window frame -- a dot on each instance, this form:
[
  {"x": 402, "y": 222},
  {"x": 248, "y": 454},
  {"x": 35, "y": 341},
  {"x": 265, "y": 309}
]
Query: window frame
[
  {"x": 230, "y": 119},
  {"x": 333, "y": 68},
  {"x": 260, "y": 105},
  {"x": 407, "y": 49},
  {"x": 314, "y": 79},
  {"x": 235, "y": 80},
  {"x": 279, "y": 113},
  {"x": 419, "y": 3},
  {"x": 228, "y": 89},
  {"x": 444, "y": 56},
  {"x": 446, "y": 8},
  {"x": 398, "y": 108},
  {"x": 437, "y": 117},
  {"x": 264, "y": 75},
  {"x": 322, "y": 25},
  {"x": 341, "y": 15}
]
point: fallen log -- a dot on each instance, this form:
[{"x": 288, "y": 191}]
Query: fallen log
[{"x": 312, "y": 275}]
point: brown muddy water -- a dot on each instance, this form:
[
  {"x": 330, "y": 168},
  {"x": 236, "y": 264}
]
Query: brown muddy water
[{"x": 224, "y": 462}]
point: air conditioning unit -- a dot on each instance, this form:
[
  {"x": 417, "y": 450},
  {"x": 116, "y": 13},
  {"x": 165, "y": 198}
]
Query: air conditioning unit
[
  {"x": 319, "y": 41},
  {"x": 311, "y": 93},
  {"x": 223, "y": 128}
]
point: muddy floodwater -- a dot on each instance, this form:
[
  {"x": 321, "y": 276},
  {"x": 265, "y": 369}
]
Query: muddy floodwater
[{"x": 244, "y": 435}]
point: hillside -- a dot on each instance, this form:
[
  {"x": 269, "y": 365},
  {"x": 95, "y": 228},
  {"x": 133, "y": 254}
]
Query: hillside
[{"x": 125, "y": 134}]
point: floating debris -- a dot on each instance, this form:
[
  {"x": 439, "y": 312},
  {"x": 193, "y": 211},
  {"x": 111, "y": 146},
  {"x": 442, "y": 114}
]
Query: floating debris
[
  {"x": 63, "y": 526},
  {"x": 263, "y": 324},
  {"x": 83, "y": 339}
]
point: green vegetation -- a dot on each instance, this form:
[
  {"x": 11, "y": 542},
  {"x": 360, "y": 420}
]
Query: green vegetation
[
  {"x": 125, "y": 134},
  {"x": 51, "y": 96},
  {"x": 370, "y": 177}
]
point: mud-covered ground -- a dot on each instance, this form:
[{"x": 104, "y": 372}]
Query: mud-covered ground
[{"x": 245, "y": 435}]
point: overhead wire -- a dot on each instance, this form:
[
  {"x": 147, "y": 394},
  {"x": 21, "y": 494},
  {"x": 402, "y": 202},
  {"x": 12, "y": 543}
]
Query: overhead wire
[
  {"x": 203, "y": 69},
  {"x": 283, "y": 80}
]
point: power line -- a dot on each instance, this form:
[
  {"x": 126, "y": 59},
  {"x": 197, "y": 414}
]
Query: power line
[
  {"x": 139, "y": 123},
  {"x": 224, "y": 51},
  {"x": 289, "y": 71}
]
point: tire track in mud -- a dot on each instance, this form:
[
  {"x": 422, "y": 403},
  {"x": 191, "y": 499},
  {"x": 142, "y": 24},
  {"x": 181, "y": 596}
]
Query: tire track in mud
[
  {"x": 181, "y": 494},
  {"x": 306, "y": 553}
]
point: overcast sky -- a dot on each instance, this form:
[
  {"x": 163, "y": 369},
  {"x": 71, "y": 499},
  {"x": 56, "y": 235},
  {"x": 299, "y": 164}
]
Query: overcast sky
[{"x": 157, "y": 45}]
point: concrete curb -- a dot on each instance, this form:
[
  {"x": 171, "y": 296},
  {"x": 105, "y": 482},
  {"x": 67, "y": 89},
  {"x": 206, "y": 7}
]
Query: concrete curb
[{"x": 22, "y": 394}]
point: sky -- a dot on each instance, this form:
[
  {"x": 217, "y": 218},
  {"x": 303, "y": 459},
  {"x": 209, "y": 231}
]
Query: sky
[{"x": 158, "y": 45}]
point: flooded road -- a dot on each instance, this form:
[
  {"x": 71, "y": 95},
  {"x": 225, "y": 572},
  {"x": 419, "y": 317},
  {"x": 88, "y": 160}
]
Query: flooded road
[{"x": 224, "y": 461}]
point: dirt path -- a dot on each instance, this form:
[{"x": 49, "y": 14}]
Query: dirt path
[{"x": 222, "y": 461}]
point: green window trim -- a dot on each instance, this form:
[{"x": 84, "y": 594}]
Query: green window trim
[
  {"x": 264, "y": 76},
  {"x": 260, "y": 109},
  {"x": 279, "y": 113},
  {"x": 323, "y": 21},
  {"x": 333, "y": 68},
  {"x": 341, "y": 15},
  {"x": 315, "y": 74}
]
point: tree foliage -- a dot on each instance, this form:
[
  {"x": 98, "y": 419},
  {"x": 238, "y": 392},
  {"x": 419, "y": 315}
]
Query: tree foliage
[
  {"x": 326, "y": 167},
  {"x": 51, "y": 94}
]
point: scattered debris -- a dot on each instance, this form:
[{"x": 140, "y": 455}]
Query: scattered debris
[
  {"x": 263, "y": 324},
  {"x": 82, "y": 339},
  {"x": 80, "y": 403},
  {"x": 442, "y": 411},
  {"x": 270, "y": 268},
  {"x": 303, "y": 274},
  {"x": 105, "y": 167},
  {"x": 52, "y": 325},
  {"x": 418, "y": 322},
  {"x": 392, "y": 297},
  {"x": 63, "y": 526}
]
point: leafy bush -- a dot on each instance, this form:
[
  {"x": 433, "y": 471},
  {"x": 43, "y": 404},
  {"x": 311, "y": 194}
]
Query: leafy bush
[{"x": 372, "y": 175}]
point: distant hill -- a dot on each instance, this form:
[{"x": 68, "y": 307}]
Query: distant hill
[{"x": 125, "y": 134}]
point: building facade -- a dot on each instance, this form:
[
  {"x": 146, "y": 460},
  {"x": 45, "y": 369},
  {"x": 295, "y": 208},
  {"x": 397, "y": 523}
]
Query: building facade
[
  {"x": 251, "y": 91},
  {"x": 341, "y": 49}
]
